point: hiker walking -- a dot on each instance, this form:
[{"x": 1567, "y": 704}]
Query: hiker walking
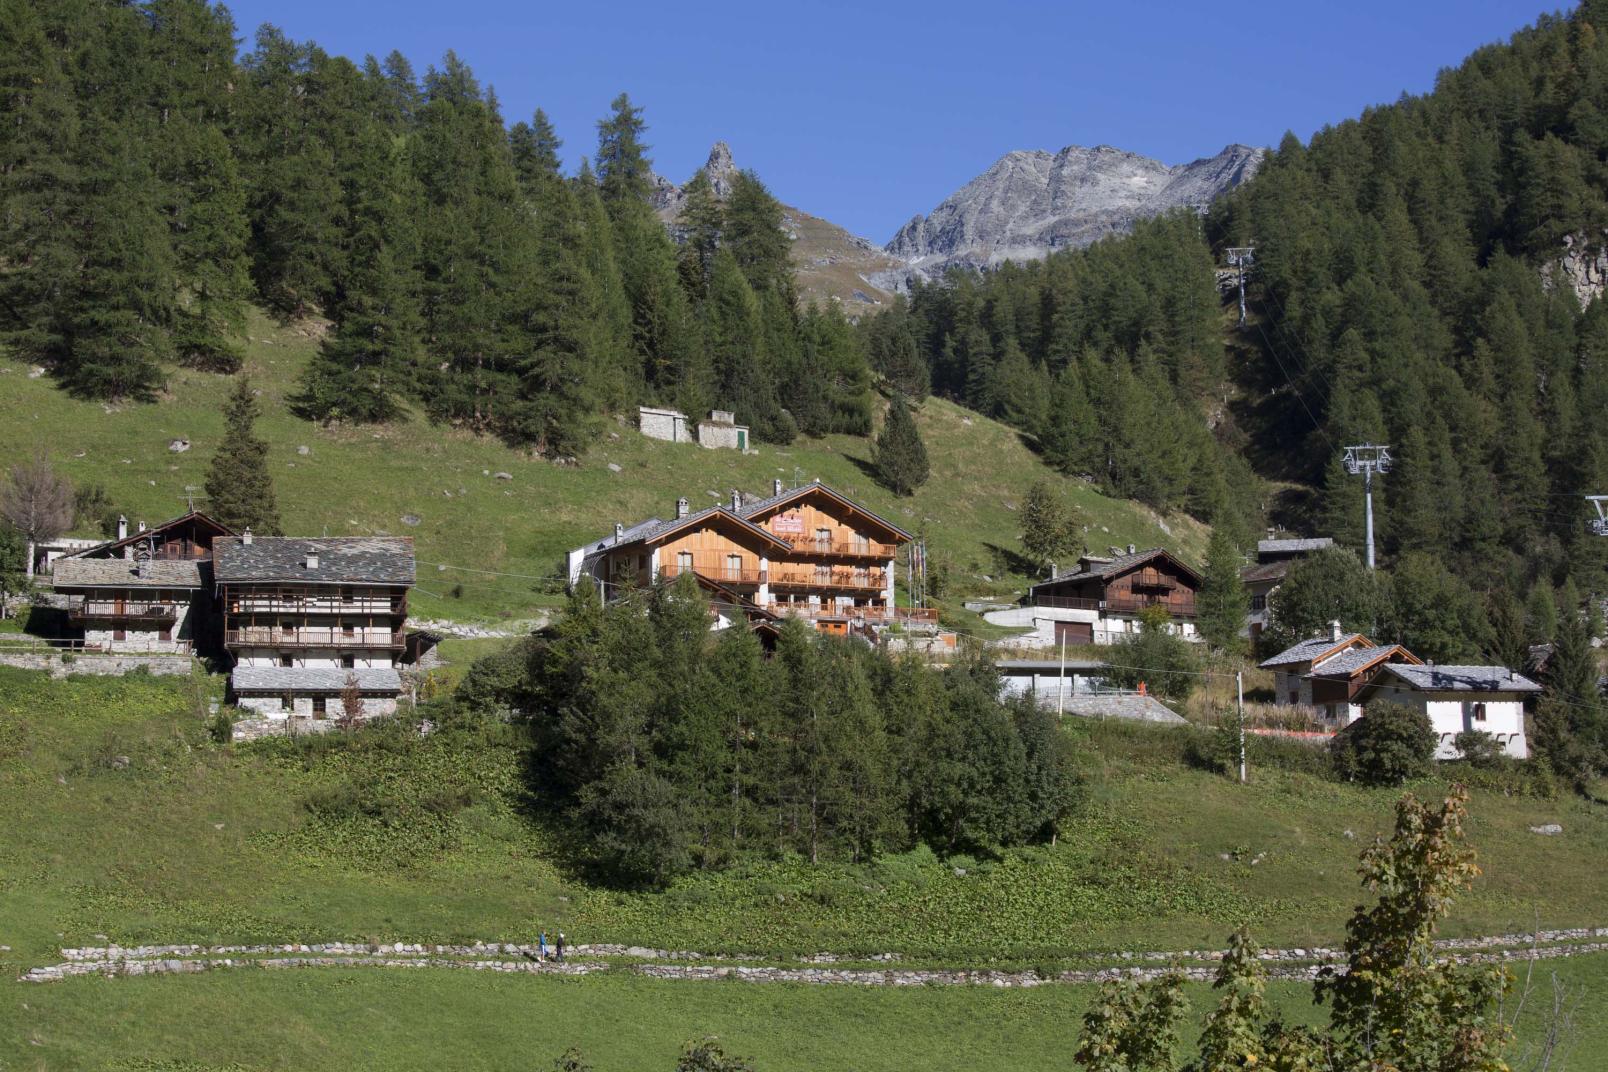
[
  {"x": 560, "y": 947},
  {"x": 541, "y": 946}
]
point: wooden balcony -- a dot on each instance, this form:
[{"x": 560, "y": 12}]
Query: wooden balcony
[
  {"x": 120, "y": 610},
  {"x": 843, "y": 549},
  {"x": 1066, "y": 603},
  {"x": 851, "y": 580},
  {"x": 721, "y": 574},
  {"x": 265, "y": 637},
  {"x": 1177, "y": 608}
]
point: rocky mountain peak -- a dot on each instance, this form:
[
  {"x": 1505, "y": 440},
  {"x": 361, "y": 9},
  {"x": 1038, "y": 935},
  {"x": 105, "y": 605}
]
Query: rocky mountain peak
[
  {"x": 720, "y": 169},
  {"x": 1032, "y": 202}
]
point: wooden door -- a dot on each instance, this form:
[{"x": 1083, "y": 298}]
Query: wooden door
[{"x": 1074, "y": 632}]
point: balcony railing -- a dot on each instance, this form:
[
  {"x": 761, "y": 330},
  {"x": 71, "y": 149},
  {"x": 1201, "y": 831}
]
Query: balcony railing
[
  {"x": 867, "y": 614},
  {"x": 1066, "y": 602},
  {"x": 120, "y": 610},
  {"x": 722, "y": 574},
  {"x": 246, "y": 603},
  {"x": 847, "y": 548},
  {"x": 865, "y": 580},
  {"x": 265, "y": 637},
  {"x": 1184, "y": 609}
]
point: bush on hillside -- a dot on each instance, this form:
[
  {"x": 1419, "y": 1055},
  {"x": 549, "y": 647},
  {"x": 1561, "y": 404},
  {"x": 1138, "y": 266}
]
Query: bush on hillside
[
  {"x": 1156, "y": 657},
  {"x": 1388, "y": 745},
  {"x": 1479, "y": 748}
]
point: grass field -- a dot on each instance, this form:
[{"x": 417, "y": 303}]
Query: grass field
[
  {"x": 434, "y": 1019},
  {"x": 361, "y": 480}
]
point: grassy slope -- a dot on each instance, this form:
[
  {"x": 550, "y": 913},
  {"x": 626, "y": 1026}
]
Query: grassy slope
[
  {"x": 196, "y": 842},
  {"x": 364, "y": 480}
]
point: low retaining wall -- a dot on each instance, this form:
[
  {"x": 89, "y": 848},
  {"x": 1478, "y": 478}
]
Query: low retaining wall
[{"x": 65, "y": 663}]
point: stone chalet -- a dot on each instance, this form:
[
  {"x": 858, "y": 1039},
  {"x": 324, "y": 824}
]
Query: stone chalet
[
  {"x": 304, "y": 619},
  {"x": 719, "y": 430},
  {"x": 1340, "y": 673},
  {"x": 1274, "y": 559},
  {"x": 1102, "y": 601},
  {"x": 808, "y": 552},
  {"x": 147, "y": 592},
  {"x": 1460, "y": 698}
]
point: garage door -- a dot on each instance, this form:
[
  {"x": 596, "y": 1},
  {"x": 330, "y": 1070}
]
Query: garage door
[{"x": 1074, "y": 632}]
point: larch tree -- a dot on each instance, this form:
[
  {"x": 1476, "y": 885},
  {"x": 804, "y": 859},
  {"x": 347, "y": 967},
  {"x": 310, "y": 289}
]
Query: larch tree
[
  {"x": 239, "y": 489},
  {"x": 1223, "y": 601},
  {"x": 1051, "y": 528},
  {"x": 37, "y": 502}
]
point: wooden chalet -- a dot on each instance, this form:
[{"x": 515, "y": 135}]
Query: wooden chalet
[
  {"x": 1103, "y": 600},
  {"x": 147, "y": 592},
  {"x": 320, "y": 613},
  {"x": 808, "y": 552}
]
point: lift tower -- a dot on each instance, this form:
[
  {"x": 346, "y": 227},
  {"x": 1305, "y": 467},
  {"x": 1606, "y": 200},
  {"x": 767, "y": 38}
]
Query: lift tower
[
  {"x": 1368, "y": 459},
  {"x": 1241, "y": 257}
]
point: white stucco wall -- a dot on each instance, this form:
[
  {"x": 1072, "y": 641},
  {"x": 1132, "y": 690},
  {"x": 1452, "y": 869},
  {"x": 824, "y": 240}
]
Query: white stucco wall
[{"x": 1453, "y": 712}]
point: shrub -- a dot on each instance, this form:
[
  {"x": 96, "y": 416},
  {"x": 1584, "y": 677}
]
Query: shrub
[
  {"x": 1157, "y": 657},
  {"x": 1388, "y": 745},
  {"x": 1479, "y": 748}
]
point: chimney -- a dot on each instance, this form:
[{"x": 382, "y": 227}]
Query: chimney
[
  {"x": 122, "y": 527},
  {"x": 1055, "y": 571},
  {"x": 142, "y": 526},
  {"x": 736, "y": 500},
  {"x": 776, "y": 486},
  {"x": 681, "y": 507},
  {"x": 311, "y": 561},
  {"x": 245, "y": 537},
  {"x": 1334, "y": 630},
  {"x": 619, "y": 531},
  {"x": 142, "y": 566},
  {"x": 1131, "y": 549}
]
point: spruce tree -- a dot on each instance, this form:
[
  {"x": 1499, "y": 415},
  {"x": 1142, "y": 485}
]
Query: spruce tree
[
  {"x": 239, "y": 489},
  {"x": 369, "y": 360},
  {"x": 900, "y": 457},
  {"x": 1223, "y": 601},
  {"x": 211, "y": 232}
]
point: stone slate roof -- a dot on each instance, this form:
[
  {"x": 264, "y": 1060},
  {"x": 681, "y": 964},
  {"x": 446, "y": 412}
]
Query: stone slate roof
[
  {"x": 1052, "y": 666},
  {"x": 1128, "y": 705},
  {"x": 770, "y": 502},
  {"x": 1293, "y": 546},
  {"x": 708, "y": 512},
  {"x": 1308, "y": 650},
  {"x": 1429, "y": 678},
  {"x": 1106, "y": 569},
  {"x": 103, "y": 550},
  {"x": 74, "y": 572},
  {"x": 341, "y": 560},
  {"x": 1266, "y": 571},
  {"x": 1350, "y": 661},
  {"x": 312, "y": 679}
]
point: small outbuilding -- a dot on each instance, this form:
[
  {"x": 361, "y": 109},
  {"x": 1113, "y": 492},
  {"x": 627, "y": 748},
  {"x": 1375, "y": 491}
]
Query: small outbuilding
[{"x": 1459, "y": 698}]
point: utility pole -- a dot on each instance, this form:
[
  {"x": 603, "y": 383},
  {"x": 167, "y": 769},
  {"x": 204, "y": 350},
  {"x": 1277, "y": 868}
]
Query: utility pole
[
  {"x": 1368, "y": 459},
  {"x": 1239, "y": 707},
  {"x": 1241, "y": 257},
  {"x": 1599, "y": 524},
  {"x": 1060, "y": 702}
]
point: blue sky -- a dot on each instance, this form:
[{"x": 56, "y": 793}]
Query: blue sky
[{"x": 868, "y": 113}]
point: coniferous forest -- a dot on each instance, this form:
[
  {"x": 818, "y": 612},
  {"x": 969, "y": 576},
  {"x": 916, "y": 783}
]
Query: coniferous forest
[{"x": 155, "y": 184}]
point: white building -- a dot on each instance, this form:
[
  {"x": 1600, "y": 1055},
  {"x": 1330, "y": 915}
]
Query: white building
[
  {"x": 1460, "y": 698},
  {"x": 1049, "y": 680},
  {"x": 1103, "y": 601}
]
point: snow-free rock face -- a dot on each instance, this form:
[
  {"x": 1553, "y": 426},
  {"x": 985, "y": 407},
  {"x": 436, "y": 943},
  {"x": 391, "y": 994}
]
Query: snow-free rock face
[
  {"x": 1032, "y": 203},
  {"x": 667, "y": 198}
]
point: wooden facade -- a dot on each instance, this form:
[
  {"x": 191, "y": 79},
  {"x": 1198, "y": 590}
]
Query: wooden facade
[
  {"x": 1125, "y": 585},
  {"x": 808, "y": 553}
]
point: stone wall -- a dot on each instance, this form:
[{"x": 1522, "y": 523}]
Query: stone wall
[{"x": 63, "y": 664}]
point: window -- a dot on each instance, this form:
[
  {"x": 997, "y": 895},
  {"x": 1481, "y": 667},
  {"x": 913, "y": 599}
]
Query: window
[
  {"x": 287, "y": 627},
  {"x": 862, "y": 543},
  {"x": 1479, "y": 712},
  {"x": 348, "y": 662},
  {"x": 734, "y": 567},
  {"x": 683, "y": 561},
  {"x": 320, "y": 706},
  {"x": 349, "y": 631},
  {"x": 823, "y": 574},
  {"x": 823, "y": 537},
  {"x": 1259, "y": 602},
  {"x": 287, "y": 660},
  {"x": 347, "y": 595}
]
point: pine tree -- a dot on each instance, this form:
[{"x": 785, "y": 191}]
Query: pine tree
[
  {"x": 1223, "y": 601},
  {"x": 211, "y": 234},
  {"x": 753, "y": 232},
  {"x": 239, "y": 489},
  {"x": 622, "y": 165},
  {"x": 699, "y": 228},
  {"x": 900, "y": 457},
  {"x": 535, "y": 148}
]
